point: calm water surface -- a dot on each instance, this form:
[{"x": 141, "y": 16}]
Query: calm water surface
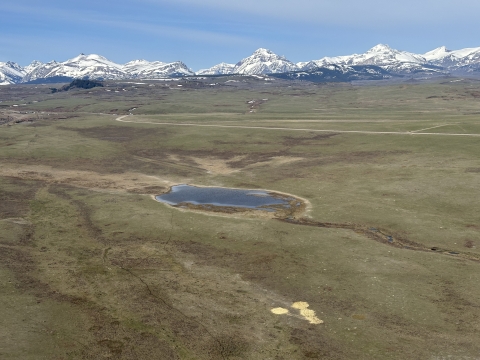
[{"x": 251, "y": 199}]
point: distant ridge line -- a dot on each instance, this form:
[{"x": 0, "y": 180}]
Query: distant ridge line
[{"x": 379, "y": 62}]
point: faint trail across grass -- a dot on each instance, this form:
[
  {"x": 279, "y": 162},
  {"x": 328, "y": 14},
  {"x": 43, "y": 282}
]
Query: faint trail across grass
[{"x": 295, "y": 129}]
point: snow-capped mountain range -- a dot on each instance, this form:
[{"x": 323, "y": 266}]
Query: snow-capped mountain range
[
  {"x": 395, "y": 61},
  {"x": 440, "y": 61},
  {"x": 91, "y": 67}
]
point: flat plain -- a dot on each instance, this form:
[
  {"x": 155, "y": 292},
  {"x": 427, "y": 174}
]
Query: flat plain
[{"x": 383, "y": 263}]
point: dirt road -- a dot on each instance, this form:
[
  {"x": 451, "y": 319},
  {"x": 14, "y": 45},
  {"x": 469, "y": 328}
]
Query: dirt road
[{"x": 297, "y": 129}]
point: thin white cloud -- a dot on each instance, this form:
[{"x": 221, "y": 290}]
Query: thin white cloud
[
  {"x": 353, "y": 13},
  {"x": 156, "y": 30},
  {"x": 175, "y": 32}
]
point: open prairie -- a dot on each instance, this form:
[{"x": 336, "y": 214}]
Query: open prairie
[{"x": 382, "y": 263}]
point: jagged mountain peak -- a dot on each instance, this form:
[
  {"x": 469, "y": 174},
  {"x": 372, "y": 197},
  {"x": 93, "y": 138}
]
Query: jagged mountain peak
[
  {"x": 219, "y": 69},
  {"x": 265, "y": 55},
  {"x": 143, "y": 69},
  {"x": 91, "y": 59},
  {"x": 465, "y": 60},
  {"x": 137, "y": 62},
  {"x": 264, "y": 61},
  {"x": 11, "y": 65},
  {"x": 83, "y": 56},
  {"x": 10, "y": 73},
  {"x": 138, "y": 66},
  {"x": 380, "y": 48},
  {"x": 440, "y": 49},
  {"x": 263, "y": 51},
  {"x": 36, "y": 63},
  {"x": 437, "y": 53}
]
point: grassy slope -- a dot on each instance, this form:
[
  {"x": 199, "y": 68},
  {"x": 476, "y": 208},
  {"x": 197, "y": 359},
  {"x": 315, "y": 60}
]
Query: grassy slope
[{"x": 92, "y": 272}]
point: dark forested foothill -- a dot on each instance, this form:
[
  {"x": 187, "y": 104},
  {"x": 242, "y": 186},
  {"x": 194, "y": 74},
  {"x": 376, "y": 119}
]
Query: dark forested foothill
[{"x": 79, "y": 84}]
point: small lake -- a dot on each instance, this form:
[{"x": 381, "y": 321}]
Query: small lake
[{"x": 185, "y": 195}]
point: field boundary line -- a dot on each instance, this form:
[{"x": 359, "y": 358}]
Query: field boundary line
[
  {"x": 433, "y": 127},
  {"x": 293, "y": 129}
]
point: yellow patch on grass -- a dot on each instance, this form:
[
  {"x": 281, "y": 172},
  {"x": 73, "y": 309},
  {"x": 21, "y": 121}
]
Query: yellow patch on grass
[
  {"x": 308, "y": 314},
  {"x": 280, "y": 311}
]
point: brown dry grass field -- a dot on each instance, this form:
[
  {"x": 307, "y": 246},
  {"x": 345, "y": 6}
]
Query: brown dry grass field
[{"x": 383, "y": 261}]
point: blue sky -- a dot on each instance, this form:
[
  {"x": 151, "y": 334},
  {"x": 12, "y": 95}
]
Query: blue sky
[{"x": 204, "y": 33}]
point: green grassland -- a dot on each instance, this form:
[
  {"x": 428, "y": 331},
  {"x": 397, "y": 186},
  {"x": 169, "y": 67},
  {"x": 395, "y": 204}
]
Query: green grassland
[{"x": 92, "y": 267}]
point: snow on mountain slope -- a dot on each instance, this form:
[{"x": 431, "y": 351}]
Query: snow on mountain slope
[
  {"x": 437, "y": 54},
  {"x": 380, "y": 55},
  {"x": 220, "y": 69},
  {"x": 10, "y": 73},
  {"x": 437, "y": 61},
  {"x": 264, "y": 61},
  {"x": 385, "y": 55},
  {"x": 100, "y": 68},
  {"x": 338, "y": 60},
  {"x": 137, "y": 66},
  {"x": 412, "y": 68},
  {"x": 40, "y": 72},
  {"x": 143, "y": 69},
  {"x": 456, "y": 59},
  {"x": 83, "y": 66},
  {"x": 33, "y": 65},
  {"x": 338, "y": 73}
]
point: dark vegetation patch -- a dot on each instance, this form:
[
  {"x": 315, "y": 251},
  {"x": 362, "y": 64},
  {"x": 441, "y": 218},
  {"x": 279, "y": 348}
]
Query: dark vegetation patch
[
  {"x": 111, "y": 337},
  {"x": 315, "y": 345},
  {"x": 114, "y": 337},
  {"x": 233, "y": 346},
  {"x": 473, "y": 226},
  {"x": 19, "y": 261},
  {"x": 469, "y": 244},
  {"x": 56, "y": 116},
  {"x": 113, "y": 165},
  {"x": 85, "y": 213},
  {"x": 212, "y": 152},
  {"x": 472, "y": 170},
  {"x": 261, "y": 265},
  {"x": 154, "y": 190},
  {"x": 306, "y": 140},
  {"x": 241, "y": 143},
  {"x": 254, "y": 158},
  {"x": 15, "y": 195},
  {"x": 367, "y": 155},
  {"x": 251, "y": 158},
  {"x": 79, "y": 84},
  {"x": 186, "y": 162},
  {"x": 247, "y": 185},
  {"x": 353, "y": 157},
  {"x": 118, "y": 133}
]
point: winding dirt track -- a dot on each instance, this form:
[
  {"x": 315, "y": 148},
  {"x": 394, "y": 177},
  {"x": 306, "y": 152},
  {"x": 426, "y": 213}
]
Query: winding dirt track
[
  {"x": 120, "y": 118},
  {"x": 383, "y": 237}
]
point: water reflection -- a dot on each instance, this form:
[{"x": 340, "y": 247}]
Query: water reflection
[{"x": 181, "y": 195}]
